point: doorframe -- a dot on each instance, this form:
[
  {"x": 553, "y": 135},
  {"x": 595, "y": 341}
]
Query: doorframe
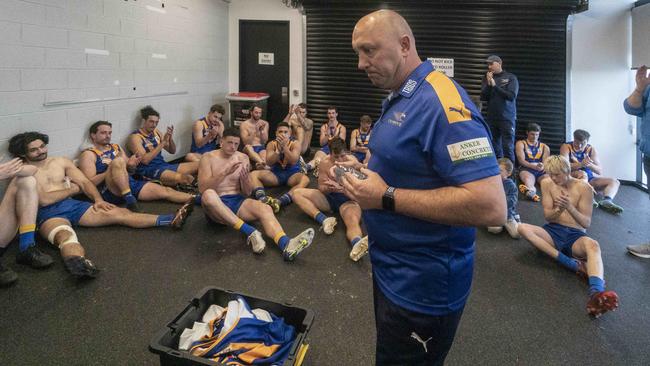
[{"x": 253, "y": 21}]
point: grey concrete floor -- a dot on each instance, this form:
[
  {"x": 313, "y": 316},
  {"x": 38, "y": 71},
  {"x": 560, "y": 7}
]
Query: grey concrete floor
[{"x": 524, "y": 309}]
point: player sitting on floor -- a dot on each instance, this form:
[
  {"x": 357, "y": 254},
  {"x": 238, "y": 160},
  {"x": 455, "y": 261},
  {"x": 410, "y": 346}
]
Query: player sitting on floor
[
  {"x": 254, "y": 135},
  {"x": 333, "y": 128},
  {"x": 147, "y": 144},
  {"x": 282, "y": 155},
  {"x": 510, "y": 189},
  {"x": 224, "y": 182},
  {"x": 329, "y": 197},
  {"x": 108, "y": 167},
  {"x": 567, "y": 208},
  {"x": 586, "y": 165},
  {"x": 59, "y": 179},
  {"x": 530, "y": 156},
  {"x": 18, "y": 211},
  {"x": 206, "y": 133},
  {"x": 360, "y": 138}
]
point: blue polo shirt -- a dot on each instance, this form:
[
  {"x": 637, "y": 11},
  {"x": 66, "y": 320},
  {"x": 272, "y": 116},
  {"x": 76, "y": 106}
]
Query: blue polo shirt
[
  {"x": 430, "y": 135},
  {"x": 642, "y": 112}
]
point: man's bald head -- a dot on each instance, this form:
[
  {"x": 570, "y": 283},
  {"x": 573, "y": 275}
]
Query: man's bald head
[
  {"x": 387, "y": 21},
  {"x": 386, "y": 48}
]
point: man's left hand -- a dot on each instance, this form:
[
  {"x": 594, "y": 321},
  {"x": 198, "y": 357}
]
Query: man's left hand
[
  {"x": 368, "y": 192},
  {"x": 103, "y": 205}
]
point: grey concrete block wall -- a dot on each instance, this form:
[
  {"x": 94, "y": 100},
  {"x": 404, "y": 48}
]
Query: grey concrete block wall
[{"x": 151, "y": 50}]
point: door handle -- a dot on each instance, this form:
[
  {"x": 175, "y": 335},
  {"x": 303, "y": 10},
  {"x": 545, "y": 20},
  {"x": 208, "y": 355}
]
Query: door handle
[{"x": 285, "y": 95}]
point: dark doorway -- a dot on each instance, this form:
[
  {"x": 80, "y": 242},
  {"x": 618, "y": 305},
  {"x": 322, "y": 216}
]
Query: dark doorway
[{"x": 264, "y": 64}]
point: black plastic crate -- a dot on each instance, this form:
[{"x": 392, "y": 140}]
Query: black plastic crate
[{"x": 165, "y": 343}]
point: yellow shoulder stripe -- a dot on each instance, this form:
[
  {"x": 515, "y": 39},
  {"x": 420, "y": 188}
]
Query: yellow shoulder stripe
[{"x": 449, "y": 96}]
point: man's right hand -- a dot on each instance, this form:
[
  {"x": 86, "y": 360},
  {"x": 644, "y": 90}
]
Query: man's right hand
[
  {"x": 133, "y": 162},
  {"x": 10, "y": 168},
  {"x": 166, "y": 140},
  {"x": 233, "y": 167},
  {"x": 490, "y": 78},
  {"x": 74, "y": 189},
  {"x": 642, "y": 79},
  {"x": 213, "y": 132}
]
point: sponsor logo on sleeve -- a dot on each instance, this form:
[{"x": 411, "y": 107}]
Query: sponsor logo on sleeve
[
  {"x": 470, "y": 150},
  {"x": 398, "y": 119}
]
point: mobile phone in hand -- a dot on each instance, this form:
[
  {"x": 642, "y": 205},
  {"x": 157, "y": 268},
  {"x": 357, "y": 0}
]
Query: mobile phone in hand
[{"x": 341, "y": 170}]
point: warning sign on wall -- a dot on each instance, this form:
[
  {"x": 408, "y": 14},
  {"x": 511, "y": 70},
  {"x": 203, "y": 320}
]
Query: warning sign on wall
[
  {"x": 266, "y": 58},
  {"x": 446, "y": 65}
]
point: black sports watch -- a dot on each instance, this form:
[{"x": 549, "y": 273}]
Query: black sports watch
[{"x": 388, "y": 199}]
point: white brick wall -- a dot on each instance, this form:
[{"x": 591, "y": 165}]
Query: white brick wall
[
  {"x": 9, "y": 80},
  {"x": 34, "y": 35},
  {"x": 43, "y": 59},
  {"x": 43, "y": 79},
  {"x": 10, "y": 32}
]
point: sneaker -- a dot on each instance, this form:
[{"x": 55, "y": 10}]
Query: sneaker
[
  {"x": 523, "y": 189},
  {"x": 298, "y": 244},
  {"x": 610, "y": 207},
  {"x": 642, "y": 251},
  {"x": 602, "y": 302},
  {"x": 359, "y": 249},
  {"x": 187, "y": 188},
  {"x": 256, "y": 241},
  {"x": 328, "y": 225},
  {"x": 533, "y": 196},
  {"x": 81, "y": 267},
  {"x": 594, "y": 203},
  {"x": 34, "y": 258},
  {"x": 582, "y": 271},
  {"x": 273, "y": 202},
  {"x": 7, "y": 276},
  {"x": 494, "y": 229},
  {"x": 511, "y": 228},
  {"x": 303, "y": 165},
  {"x": 182, "y": 214}
]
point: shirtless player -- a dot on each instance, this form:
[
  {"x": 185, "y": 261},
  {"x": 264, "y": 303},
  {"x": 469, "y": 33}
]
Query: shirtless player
[
  {"x": 254, "y": 135},
  {"x": 58, "y": 179},
  {"x": 567, "y": 204},
  {"x": 224, "y": 182}
]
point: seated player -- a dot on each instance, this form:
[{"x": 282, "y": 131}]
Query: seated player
[
  {"x": 530, "y": 156},
  {"x": 147, "y": 144},
  {"x": 329, "y": 197},
  {"x": 206, "y": 133},
  {"x": 282, "y": 154},
  {"x": 586, "y": 165},
  {"x": 224, "y": 182},
  {"x": 58, "y": 179},
  {"x": 333, "y": 128},
  {"x": 567, "y": 208},
  {"x": 510, "y": 189},
  {"x": 107, "y": 166},
  {"x": 18, "y": 211},
  {"x": 254, "y": 135},
  {"x": 302, "y": 128},
  {"x": 360, "y": 138}
]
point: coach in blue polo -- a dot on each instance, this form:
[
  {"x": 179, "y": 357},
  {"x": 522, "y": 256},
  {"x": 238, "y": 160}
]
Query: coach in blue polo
[{"x": 432, "y": 178}]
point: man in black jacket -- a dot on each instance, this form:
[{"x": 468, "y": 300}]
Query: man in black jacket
[{"x": 500, "y": 89}]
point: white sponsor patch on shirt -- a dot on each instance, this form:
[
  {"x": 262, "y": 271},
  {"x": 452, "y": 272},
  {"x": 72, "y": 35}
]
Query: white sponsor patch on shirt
[
  {"x": 470, "y": 150},
  {"x": 409, "y": 86}
]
